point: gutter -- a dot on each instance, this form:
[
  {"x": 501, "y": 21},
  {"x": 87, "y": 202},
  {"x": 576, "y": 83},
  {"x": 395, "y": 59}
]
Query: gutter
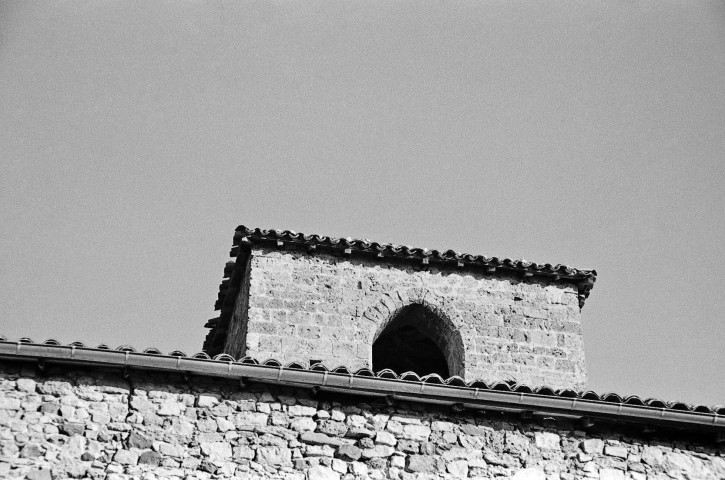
[{"x": 385, "y": 388}]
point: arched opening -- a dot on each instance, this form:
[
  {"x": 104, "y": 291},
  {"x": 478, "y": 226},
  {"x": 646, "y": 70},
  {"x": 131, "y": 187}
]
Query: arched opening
[{"x": 416, "y": 340}]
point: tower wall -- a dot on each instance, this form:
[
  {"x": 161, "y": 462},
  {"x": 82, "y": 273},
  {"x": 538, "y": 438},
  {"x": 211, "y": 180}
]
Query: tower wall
[{"x": 299, "y": 307}]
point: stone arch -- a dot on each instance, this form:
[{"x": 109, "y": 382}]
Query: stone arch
[{"x": 421, "y": 319}]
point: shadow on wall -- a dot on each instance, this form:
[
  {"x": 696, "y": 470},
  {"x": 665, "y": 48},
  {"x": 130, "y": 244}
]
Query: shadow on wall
[{"x": 418, "y": 340}]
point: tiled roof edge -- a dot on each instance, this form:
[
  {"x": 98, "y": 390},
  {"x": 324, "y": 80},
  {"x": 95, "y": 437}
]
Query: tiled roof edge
[
  {"x": 407, "y": 386},
  {"x": 349, "y": 245}
]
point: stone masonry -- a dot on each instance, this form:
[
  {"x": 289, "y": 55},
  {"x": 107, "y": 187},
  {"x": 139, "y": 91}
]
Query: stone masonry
[
  {"x": 76, "y": 423},
  {"x": 300, "y": 307}
]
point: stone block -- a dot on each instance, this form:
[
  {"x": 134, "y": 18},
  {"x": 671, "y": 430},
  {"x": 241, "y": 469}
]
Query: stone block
[
  {"x": 216, "y": 449},
  {"x": 385, "y": 438},
  {"x": 421, "y": 463},
  {"x": 358, "y": 468},
  {"x": 529, "y": 474},
  {"x": 319, "y": 439},
  {"x": 456, "y": 453},
  {"x": 653, "y": 456},
  {"x": 301, "y": 424},
  {"x": 611, "y": 474},
  {"x": 458, "y": 468},
  {"x": 301, "y": 411},
  {"x": 348, "y": 452},
  {"x": 339, "y": 466},
  {"x": 438, "y": 426},
  {"x": 137, "y": 440},
  {"x": 150, "y": 458},
  {"x": 126, "y": 457},
  {"x": 7, "y": 403},
  {"x": 243, "y": 452},
  {"x": 320, "y": 472},
  {"x": 593, "y": 446},
  {"x": 274, "y": 456},
  {"x": 26, "y": 385},
  {"x": 319, "y": 451},
  {"x": 547, "y": 440},
  {"x": 206, "y": 401},
  {"x": 378, "y": 451},
  {"x": 70, "y": 428},
  {"x": 39, "y": 474},
  {"x": 330, "y": 427},
  {"x": 252, "y": 419},
  {"x": 416, "y": 432},
  {"x": 616, "y": 451},
  {"x": 359, "y": 432}
]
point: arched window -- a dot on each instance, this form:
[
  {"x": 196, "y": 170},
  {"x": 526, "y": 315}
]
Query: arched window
[{"x": 417, "y": 340}]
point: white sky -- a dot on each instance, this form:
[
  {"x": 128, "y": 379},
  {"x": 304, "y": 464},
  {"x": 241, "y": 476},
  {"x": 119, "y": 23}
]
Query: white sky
[{"x": 134, "y": 137}]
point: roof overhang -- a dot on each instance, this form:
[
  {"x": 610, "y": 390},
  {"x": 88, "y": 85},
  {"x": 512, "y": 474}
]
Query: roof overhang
[{"x": 385, "y": 385}]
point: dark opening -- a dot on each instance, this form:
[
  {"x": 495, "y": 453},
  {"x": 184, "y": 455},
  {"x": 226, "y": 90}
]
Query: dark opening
[{"x": 404, "y": 347}]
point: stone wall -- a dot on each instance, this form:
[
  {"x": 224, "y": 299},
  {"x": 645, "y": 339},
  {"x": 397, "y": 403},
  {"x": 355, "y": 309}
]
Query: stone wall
[
  {"x": 85, "y": 423},
  {"x": 305, "y": 307}
]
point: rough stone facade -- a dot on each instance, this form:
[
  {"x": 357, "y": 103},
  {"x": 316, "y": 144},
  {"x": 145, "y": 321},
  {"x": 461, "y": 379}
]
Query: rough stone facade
[
  {"x": 299, "y": 307},
  {"x": 80, "y": 423}
]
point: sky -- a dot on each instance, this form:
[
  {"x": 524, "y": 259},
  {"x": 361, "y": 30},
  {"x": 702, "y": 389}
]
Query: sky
[{"x": 136, "y": 135}]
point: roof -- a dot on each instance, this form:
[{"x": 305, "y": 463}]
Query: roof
[
  {"x": 245, "y": 238},
  {"x": 353, "y": 246},
  {"x": 386, "y": 384}
]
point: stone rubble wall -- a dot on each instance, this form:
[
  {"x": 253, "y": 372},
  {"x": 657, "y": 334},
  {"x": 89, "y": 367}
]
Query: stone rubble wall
[
  {"x": 74, "y": 423},
  {"x": 319, "y": 307}
]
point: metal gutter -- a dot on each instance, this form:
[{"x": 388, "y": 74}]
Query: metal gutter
[{"x": 394, "y": 389}]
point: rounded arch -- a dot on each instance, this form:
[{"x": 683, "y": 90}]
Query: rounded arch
[{"x": 413, "y": 334}]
